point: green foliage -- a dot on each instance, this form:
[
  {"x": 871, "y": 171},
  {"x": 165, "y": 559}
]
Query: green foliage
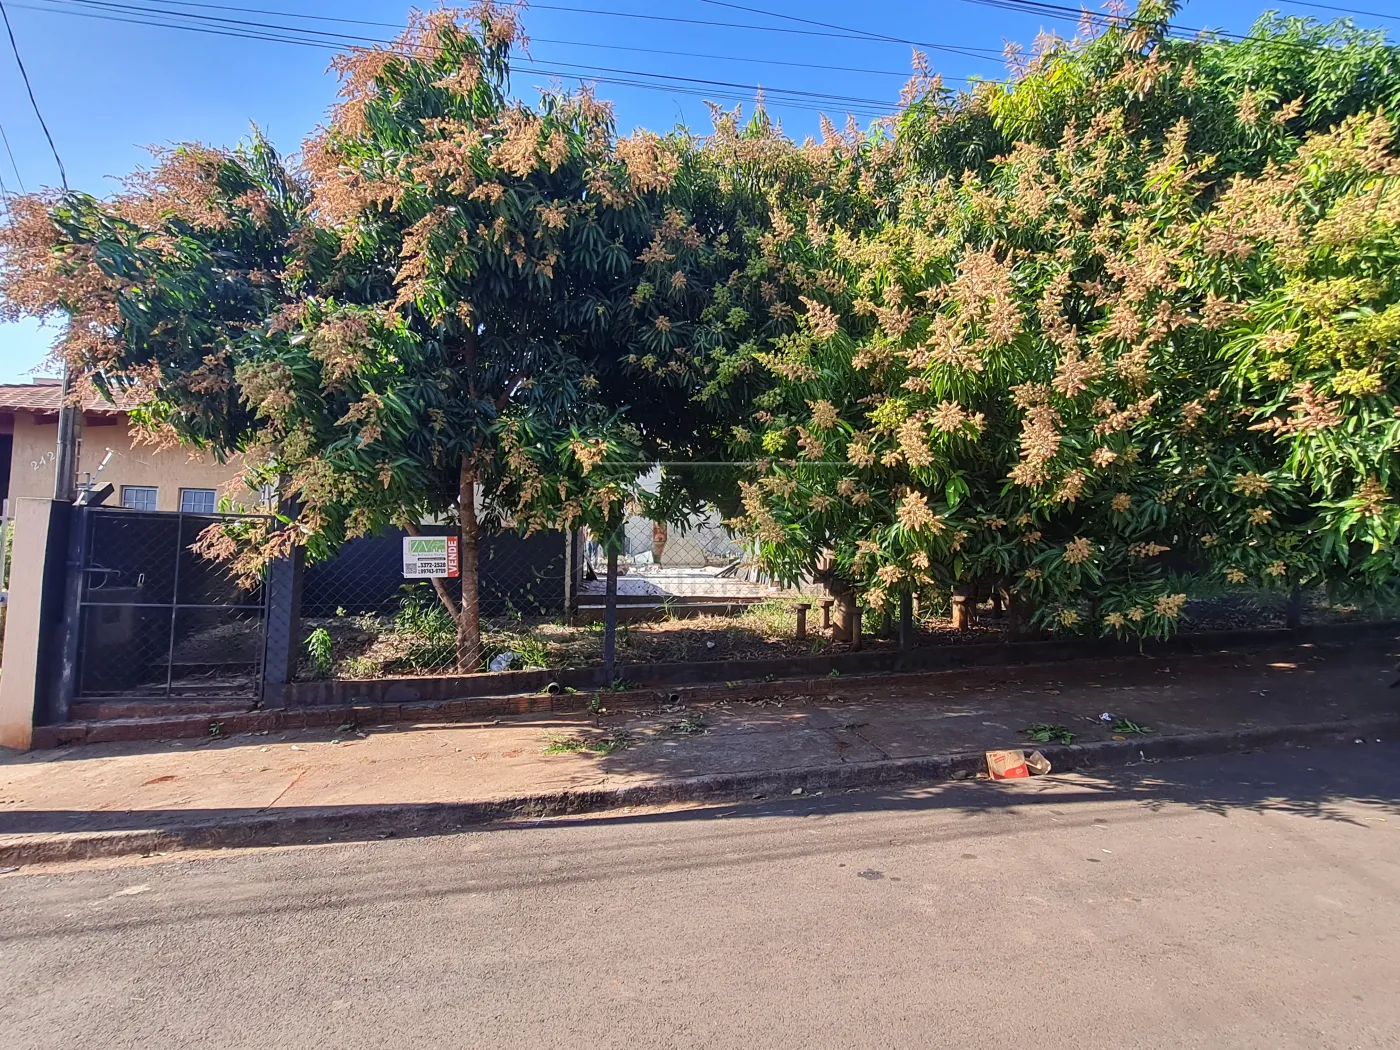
[
  {"x": 1045, "y": 733},
  {"x": 427, "y": 633},
  {"x": 1146, "y": 348},
  {"x": 319, "y": 647},
  {"x": 604, "y": 745},
  {"x": 1117, "y": 330}
]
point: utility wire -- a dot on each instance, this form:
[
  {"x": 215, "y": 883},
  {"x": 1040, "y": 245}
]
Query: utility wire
[
  {"x": 18, "y": 178},
  {"x": 969, "y": 51},
  {"x": 827, "y": 25},
  {"x": 568, "y": 43},
  {"x": 1342, "y": 10},
  {"x": 24, "y": 74},
  {"x": 269, "y": 32},
  {"x": 842, "y": 35},
  {"x": 1050, "y": 10}
]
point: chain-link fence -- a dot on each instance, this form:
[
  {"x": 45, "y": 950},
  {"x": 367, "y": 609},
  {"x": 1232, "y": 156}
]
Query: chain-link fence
[
  {"x": 155, "y": 619},
  {"x": 365, "y": 616},
  {"x": 684, "y": 594},
  {"x": 687, "y": 591}
]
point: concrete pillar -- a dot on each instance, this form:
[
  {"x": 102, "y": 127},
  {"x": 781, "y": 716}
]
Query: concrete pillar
[
  {"x": 801, "y": 609},
  {"x": 33, "y": 618},
  {"x": 282, "y": 638}
]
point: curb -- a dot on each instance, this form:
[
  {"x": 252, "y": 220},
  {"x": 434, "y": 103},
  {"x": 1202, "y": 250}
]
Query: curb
[{"x": 363, "y": 823}]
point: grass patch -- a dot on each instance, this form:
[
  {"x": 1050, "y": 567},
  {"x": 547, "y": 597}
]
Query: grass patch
[{"x": 604, "y": 745}]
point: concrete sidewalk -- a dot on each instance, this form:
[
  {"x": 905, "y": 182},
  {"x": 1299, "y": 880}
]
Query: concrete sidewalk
[{"x": 368, "y": 781}]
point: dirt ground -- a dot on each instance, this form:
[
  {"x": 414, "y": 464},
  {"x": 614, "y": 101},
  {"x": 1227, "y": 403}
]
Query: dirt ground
[{"x": 371, "y": 647}]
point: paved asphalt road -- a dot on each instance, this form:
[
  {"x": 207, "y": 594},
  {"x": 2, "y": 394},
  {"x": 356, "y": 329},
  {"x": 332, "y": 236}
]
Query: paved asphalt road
[{"x": 1252, "y": 901}]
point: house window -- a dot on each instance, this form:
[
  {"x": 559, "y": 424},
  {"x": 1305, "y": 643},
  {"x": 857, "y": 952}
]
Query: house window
[
  {"x": 197, "y": 501},
  {"x": 139, "y": 497}
]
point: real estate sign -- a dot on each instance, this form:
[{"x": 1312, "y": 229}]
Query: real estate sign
[{"x": 425, "y": 557}]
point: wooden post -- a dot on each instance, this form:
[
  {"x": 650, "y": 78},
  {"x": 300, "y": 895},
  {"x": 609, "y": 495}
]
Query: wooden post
[
  {"x": 855, "y": 629},
  {"x": 801, "y": 609},
  {"x": 826, "y": 604}
]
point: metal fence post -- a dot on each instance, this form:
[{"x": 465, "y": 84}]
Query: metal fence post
[
  {"x": 573, "y": 574},
  {"x": 610, "y": 616},
  {"x": 79, "y": 524},
  {"x": 906, "y": 622}
]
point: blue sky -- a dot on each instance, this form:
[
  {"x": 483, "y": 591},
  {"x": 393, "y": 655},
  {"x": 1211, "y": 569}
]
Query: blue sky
[{"x": 109, "y": 88}]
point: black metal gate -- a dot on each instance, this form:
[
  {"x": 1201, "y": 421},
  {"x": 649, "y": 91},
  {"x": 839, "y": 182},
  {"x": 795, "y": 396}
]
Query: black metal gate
[{"x": 156, "y": 620}]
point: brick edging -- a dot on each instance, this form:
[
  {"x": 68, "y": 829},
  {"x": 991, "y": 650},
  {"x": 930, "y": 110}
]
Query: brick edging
[{"x": 362, "y": 823}]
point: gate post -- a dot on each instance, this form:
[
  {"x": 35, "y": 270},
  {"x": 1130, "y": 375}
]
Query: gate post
[
  {"x": 69, "y": 641},
  {"x": 34, "y": 618},
  {"x": 282, "y": 626}
]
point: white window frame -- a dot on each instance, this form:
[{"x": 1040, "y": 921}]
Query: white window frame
[
  {"x": 154, "y": 490},
  {"x": 213, "y": 495}
]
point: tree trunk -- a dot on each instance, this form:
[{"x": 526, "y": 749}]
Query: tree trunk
[{"x": 469, "y": 618}]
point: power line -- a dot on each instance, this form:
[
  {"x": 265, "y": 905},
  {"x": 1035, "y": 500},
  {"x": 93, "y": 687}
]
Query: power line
[
  {"x": 827, "y": 25},
  {"x": 18, "y": 178},
  {"x": 24, "y": 74},
  {"x": 984, "y": 54},
  {"x": 842, "y": 35},
  {"x": 269, "y": 32},
  {"x": 1342, "y": 10},
  {"x": 962, "y": 49},
  {"x": 1051, "y": 10}
]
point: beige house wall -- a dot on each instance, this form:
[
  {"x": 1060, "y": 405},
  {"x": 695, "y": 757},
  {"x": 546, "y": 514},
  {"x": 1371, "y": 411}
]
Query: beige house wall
[{"x": 167, "y": 470}]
